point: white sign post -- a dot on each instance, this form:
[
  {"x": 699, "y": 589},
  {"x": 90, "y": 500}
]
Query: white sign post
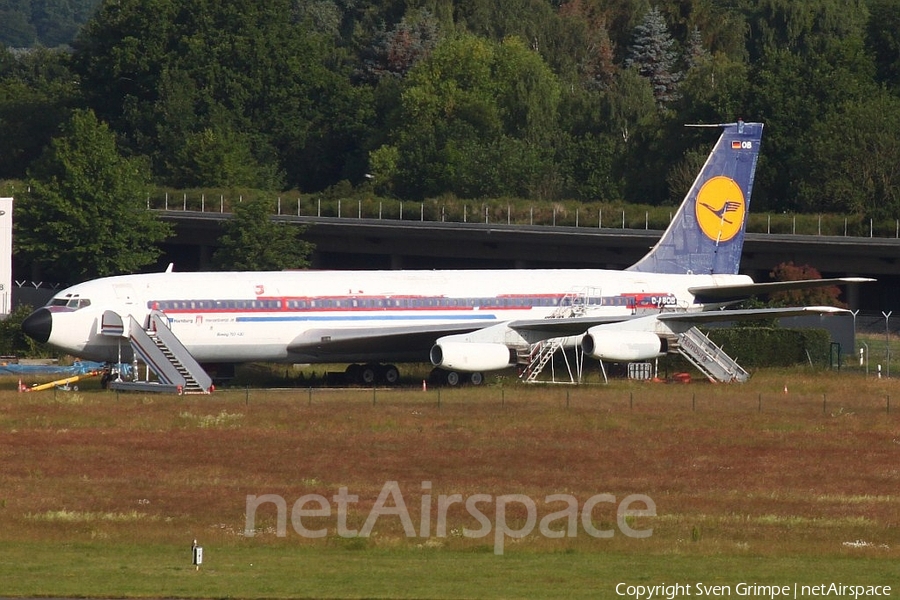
[{"x": 196, "y": 555}]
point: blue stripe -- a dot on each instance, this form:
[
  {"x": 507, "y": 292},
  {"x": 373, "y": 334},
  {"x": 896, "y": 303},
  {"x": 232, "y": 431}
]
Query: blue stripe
[{"x": 466, "y": 317}]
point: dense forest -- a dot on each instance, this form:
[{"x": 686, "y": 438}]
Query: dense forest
[
  {"x": 47, "y": 23},
  {"x": 538, "y": 99}
]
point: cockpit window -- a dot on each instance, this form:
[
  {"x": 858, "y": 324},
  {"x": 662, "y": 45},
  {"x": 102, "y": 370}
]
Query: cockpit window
[{"x": 73, "y": 302}]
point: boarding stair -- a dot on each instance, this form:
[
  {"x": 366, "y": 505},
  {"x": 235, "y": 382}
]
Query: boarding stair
[
  {"x": 534, "y": 358},
  {"x": 537, "y": 357},
  {"x": 709, "y": 358},
  {"x": 164, "y": 354}
]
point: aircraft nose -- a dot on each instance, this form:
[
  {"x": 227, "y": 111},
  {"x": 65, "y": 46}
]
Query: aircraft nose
[{"x": 37, "y": 325}]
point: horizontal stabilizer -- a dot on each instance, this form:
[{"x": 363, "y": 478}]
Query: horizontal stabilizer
[
  {"x": 751, "y": 314},
  {"x": 733, "y": 293}
]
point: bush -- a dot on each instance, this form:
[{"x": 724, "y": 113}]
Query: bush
[
  {"x": 773, "y": 346},
  {"x": 14, "y": 342}
]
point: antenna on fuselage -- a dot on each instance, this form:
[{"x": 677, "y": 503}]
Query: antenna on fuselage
[{"x": 170, "y": 267}]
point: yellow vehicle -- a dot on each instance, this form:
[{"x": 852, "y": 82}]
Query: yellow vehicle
[{"x": 61, "y": 383}]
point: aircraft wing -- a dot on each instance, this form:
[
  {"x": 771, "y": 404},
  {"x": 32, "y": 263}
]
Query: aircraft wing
[
  {"x": 379, "y": 344},
  {"x": 567, "y": 326},
  {"x": 578, "y": 325},
  {"x": 750, "y": 314},
  {"x": 413, "y": 342},
  {"x": 733, "y": 293}
]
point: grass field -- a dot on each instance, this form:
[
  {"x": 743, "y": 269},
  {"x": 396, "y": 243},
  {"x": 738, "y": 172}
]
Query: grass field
[{"x": 102, "y": 494}]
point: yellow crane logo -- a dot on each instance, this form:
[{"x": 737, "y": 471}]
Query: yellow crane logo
[{"x": 720, "y": 208}]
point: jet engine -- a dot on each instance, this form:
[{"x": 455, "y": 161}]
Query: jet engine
[
  {"x": 624, "y": 346},
  {"x": 471, "y": 356}
]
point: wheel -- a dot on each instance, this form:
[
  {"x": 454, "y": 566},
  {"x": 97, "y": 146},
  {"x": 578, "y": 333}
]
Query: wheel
[
  {"x": 452, "y": 378},
  {"x": 476, "y": 378},
  {"x": 368, "y": 374},
  {"x": 352, "y": 374},
  {"x": 390, "y": 374}
]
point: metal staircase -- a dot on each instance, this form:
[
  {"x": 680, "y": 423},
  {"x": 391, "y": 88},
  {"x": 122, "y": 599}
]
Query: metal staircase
[
  {"x": 164, "y": 354},
  {"x": 573, "y": 304},
  {"x": 709, "y": 358},
  {"x": 537, "y": 358},
  {"x": 538, "y": 355}
]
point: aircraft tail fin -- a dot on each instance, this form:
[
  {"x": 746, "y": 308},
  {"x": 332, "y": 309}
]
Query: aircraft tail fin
[{"x": 707, "y": 233}]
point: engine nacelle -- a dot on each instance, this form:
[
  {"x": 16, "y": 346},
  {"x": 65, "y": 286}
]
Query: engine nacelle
[
  {"x": 471, "y": 357},
  {"x": 624, "y": 346}
]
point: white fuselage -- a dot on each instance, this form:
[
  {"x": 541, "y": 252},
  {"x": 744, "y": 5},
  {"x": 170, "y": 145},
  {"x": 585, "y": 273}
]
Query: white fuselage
[{"x": 255, "y": 316}]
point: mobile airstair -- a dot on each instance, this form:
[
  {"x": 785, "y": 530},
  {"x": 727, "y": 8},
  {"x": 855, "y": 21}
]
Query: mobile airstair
[
  {"x": 709, "y": 358},
  {"x": 163, "y": 353},
  {"x": 533, "y": 359}
]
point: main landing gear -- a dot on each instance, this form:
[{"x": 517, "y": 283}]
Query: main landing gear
[
  {"x": 375, "y": 374},
  {"x": 455, "y": 378},
  {"x": 371, "y": 374}
]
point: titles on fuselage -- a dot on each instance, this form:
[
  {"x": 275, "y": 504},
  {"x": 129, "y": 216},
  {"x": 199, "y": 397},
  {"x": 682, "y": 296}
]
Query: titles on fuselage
[{"x": 396, "y": 302}]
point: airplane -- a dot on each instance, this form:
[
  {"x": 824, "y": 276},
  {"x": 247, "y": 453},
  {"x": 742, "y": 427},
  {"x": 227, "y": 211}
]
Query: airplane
[{"x": 465, "y": 322}]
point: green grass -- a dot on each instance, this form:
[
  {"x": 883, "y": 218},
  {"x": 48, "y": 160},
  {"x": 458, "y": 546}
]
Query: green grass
[
  {"x": 254, "y": 571},
  {"x": 102, "y": 497}
]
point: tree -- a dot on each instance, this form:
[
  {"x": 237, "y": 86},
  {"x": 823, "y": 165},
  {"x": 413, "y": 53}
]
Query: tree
[
  {"x": 49, "y": 23},
  {"x": 163, "y": 73},
  {"x": 15, "y": 30},
  {"x": 818, "y": 296},
  {"x": 84, "y": 216},
  {"x": 808, "y": 60},
  {"x": 583, "y": 35},
  {"x": 252, "y": 241},
  {"x": 853, "y": 155},
  {"x": 652, "y": 53},
  {"x": 722, "y": 25},
  {"x": 477, "y": 119},
  {"x": 713, "y": 91},
  {"x": 803, "y": 28},
  {"x": 393, "y": 53},
  {"x": 696, "y": 53},
  {"x": 630, "y": 104},
  {"x": 13, "y": 341},
  {"x": 587, "y": 164},
  {"x": 37, "y": 92},
  {"x": 221, "y": 157},
  {"x": 883, "y": 40}
]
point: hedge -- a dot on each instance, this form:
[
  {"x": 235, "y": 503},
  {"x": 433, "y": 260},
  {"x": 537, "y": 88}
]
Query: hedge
[{"x": 773, "y": 346}]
